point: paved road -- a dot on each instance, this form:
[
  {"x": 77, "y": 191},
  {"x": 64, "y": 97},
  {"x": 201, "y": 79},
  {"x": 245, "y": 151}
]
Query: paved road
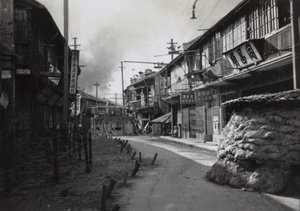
[{"x": 177, "y": 182}]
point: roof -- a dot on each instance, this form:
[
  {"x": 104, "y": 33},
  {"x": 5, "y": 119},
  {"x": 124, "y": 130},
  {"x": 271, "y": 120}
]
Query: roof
[
  {"x": 280, "y": 97},
  {"x": 143, "y": 79},
  {"x": 91, "y": 97},
  {"x": 166, "y": 118}
]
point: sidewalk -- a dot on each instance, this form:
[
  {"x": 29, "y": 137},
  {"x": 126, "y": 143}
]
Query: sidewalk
[{"x": 193, "y": 142}]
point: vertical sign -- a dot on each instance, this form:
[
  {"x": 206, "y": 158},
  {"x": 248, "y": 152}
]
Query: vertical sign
[
  {"x": 78, "y": 100},
  {"x": 73, "y": 74},
  {"x": 6, "y": 24}
]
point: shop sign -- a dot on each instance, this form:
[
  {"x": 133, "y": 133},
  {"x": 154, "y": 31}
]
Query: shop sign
[
  {"x": 243, "y": 55},
  {"x": 203, "y": 95},
  {"x": 74, "y": 68},
  {"x": 5, "y": 74},
  {"x": 187, "y": 98},
  {"x": 23, "y": 71}
]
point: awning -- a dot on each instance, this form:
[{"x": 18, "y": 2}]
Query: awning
[{"x": 166, "y": 118}]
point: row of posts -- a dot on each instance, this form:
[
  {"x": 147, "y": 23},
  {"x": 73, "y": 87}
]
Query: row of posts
[{"x": 107, "y": 188}]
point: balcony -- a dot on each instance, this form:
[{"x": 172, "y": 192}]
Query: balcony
[{"x": 278, "y": 44}]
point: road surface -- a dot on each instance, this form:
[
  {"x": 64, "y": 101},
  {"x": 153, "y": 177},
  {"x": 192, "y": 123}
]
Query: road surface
[{"x": 177, "y": 182}]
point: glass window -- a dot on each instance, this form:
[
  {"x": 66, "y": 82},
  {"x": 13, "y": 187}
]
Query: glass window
[{"x": 263, "y": 19}]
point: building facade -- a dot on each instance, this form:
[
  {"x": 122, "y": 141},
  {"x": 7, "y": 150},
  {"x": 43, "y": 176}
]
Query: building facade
[
  {"x": 251, "y": 50},
  {"x": 142, "y": 100}
]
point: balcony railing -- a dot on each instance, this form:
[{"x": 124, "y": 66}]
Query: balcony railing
[{"x": 278, "y": 43}]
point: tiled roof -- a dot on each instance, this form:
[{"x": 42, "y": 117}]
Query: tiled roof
[{"x": 286, "y": 96}]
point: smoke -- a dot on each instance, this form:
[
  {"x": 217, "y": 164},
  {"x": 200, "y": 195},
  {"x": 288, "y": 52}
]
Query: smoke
[{"x": 101, "y": 56}]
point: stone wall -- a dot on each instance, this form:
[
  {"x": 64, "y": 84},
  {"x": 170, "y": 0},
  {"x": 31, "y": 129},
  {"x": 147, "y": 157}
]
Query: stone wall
[{"x": 259, "y": 146}]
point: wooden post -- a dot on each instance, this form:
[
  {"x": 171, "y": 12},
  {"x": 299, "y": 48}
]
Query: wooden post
[
  {"x": 73, "y": 142},
  {"x": 79, "y": 141},
  {"x": 69, "y": 145},
  {"x": 136, "y": 168},
  {"x": 110, "y": 187},
  {"x": 86, "y": 155},
  {"x": 90, "y": 148},
  {"x": 140, "y": 156},
  {"x": 125, "y": 176},
  {"x": 55, "y": 156},
  {"x": 116, "y": 208},
  {"x": 153, "y": 161},
  {"x": 133, "y": 155},
  {"x": 104, "y": 190}
]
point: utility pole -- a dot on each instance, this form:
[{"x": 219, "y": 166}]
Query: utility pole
[
  {"x": 122, "y": 83},
  {"x": 172, "y": 49},
  {"x": 96, "y": 84},
  {"x": 66, "y": 65},
  {"x": 75, "y": 43},
  {"x": 75, "y": 49}
]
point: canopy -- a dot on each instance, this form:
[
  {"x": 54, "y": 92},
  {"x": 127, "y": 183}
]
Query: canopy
[{"x": 166, "y": 118}]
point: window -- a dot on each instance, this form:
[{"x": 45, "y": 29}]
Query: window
[
  {"x": 263, "y": 19},
  {"x": 217, "y": 46}
]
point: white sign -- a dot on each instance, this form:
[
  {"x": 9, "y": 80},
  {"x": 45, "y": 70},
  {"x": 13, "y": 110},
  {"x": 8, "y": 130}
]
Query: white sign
[
  {"x": 5, "y": 74},
  {"x": 243, "y": 55},
  {"x": 23, "y": 71}
]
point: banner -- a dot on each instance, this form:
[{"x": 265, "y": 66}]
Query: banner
[{"x": 74, "y": 69}]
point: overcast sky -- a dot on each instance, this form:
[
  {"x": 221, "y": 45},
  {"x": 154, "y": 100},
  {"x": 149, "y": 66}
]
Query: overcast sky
[{"x": 111, "y": 31}]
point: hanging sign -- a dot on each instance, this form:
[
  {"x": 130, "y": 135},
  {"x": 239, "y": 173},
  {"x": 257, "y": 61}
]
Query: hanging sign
[
  {"x": 74, "y": 69},
  {"x": 243, "y": 55}
]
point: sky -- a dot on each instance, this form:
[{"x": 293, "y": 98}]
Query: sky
[{"x": 112, "y": 31}]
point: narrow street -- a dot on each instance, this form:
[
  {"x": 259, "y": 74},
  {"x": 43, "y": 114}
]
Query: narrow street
[{"x": 177, "y": 182}]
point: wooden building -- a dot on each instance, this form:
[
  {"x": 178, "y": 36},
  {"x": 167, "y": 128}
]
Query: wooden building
[{"x": 251, "y": 50}]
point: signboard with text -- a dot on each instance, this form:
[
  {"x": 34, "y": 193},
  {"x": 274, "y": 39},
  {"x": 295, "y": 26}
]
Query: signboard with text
[
  {"x": 243, "y": 55},
  {"x": 187, "y": 98},
  {"x": 203, "y": 95},
  {"x": 74, "y": 69}
]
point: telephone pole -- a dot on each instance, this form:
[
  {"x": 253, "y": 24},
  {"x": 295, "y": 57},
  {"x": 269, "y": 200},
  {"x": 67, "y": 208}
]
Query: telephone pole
[
  {"x": 172, "y": 48},
  {"x": 66, "y": 66},
  {"x": 96, "y": 84},
  {"x": 122, "y": 83},
  {"x": 75, "y": 43}
]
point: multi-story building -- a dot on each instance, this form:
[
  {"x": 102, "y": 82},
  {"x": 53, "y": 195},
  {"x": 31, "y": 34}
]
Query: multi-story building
[
  {"x": 142, "y": 100},
  {"x": 251, "y": 50},
  {"x": 31, "y": 94}
]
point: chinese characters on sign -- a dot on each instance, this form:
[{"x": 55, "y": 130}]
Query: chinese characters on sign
[
  {"x": 203, "y": 95},
  {"x": 74, "y": 68},
  {"x": 187, "y": 98},
  {"x": 244, "y": 55}
]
